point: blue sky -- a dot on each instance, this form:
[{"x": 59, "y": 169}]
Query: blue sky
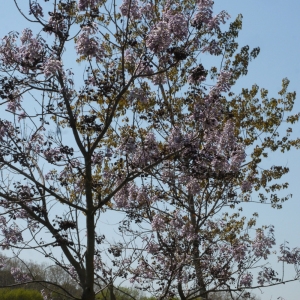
[{"x": 273, "y": 26}]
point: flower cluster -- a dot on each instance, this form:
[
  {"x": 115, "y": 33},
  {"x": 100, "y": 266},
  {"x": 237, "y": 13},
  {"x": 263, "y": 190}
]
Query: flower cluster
[
  {"x": 52, "y": 67},
  {"x": 85, "y": 4},
  {"x": 12, "y": 235},
  {"x": 262, "y": 243},
  {"x": 88, "y": 46},
  {"x": 246, "y": 280},
  {"x": 177, "y": 24},
  {"x": 28, "y": 56},
  {"x": 204, "y": 16},
  {"x": 159, "y": 38},
  {"x": 289, "y": 256},
  {"x": 212, "y": 48},
  {"x": 130, "y": 9},
  {"x": 36, "y": 9},
  {"x": 19, "y": 276}
]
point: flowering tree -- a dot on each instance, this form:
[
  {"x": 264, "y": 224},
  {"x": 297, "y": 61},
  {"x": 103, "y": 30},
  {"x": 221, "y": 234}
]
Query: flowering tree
[{"x": 151, "y": 134}]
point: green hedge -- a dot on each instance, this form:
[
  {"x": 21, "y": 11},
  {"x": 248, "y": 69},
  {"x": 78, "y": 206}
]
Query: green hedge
[{"x": 20, "y": 294}]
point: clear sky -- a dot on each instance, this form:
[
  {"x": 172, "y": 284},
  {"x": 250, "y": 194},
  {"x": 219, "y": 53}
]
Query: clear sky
[{"x": 274, "y": 26}]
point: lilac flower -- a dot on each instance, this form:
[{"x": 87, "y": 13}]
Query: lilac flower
[
  {"x": 144, "y": 68},
  {"x": 213, "y": 48},
  {"x": 178, "y": 26},
  {"x": 36, "y": 9},
  {"x": 267, "y": 275},
  {"x": 289, "y": 256},
  {"x": 30, "y": 53},
  {"x": 19, "y": 276},
  {"x": 159, "y": 38},
  {"x": 57, "y": 24},
  {"x": 53, "y": 155},
  {"x": 214, "y": 22},
  {"x": 12, "y": 235},
  {"x": 239, "y": 252},
  {"x": 158, "y": 223},
  {"x": 130, "y": 9},
  {"x": 193, "y": 186},
  {"x": 147, "y": 152},
  {"x": 89, "y": 46},
  {"x": 246, "y": 280},
  {"x": 263, "y": 243},
  {"x": 14, "y": 104},
  {"x": 52, "y": 67},
  {"x": 159, "y": 79},
  {"x": 204, "y": 16},
  {"x": 44, "y": 295},
  {"x": 152, "y": 248},
  {"x": 73, "y": 273},
  {"x": 204, "y": 13},
  {"x": 84, "y": 4},
  {"x": 223, "y": 83},
  {"x": 246, "y": 186},
  {"x": 129, "y": 56},
  {"x": 138, "y": 94},
  {"x": 147, "y": 10}
]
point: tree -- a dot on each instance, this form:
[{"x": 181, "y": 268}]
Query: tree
[{"x": 150, "y": 135}]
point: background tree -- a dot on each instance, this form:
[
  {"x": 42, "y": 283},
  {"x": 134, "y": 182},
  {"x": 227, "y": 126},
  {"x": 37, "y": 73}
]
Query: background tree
[{"x": 150, "y": 134}]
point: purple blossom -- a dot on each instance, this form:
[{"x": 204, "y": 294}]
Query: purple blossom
[
  {"x": 223, "y": 83},
  {"x": 152, "y": 248},
  {"x": 30, "y": 53},
  {"x": 53, "y": 155},
  {"x": 130, "y": 9},
  {"x": 159, "y": 38},
  {"x": 193, "y": 186},
  {"x": 36, "y": 10},
  {"x": 19, "y": 276},
  {"x": 89, "y": 46},
  {"x": 52, "y": 67},
  {"x": 246, "y": 280},
  {"x": 289, "y": 256},
  {"x": 84, "y": 4},
  {"x": 147, "y": 10},
  {"x": 12, "y": 235},
  {"x": 246, "y": 186},
  {"x": 45, "y": 295},
  {"x": 178, "y": 25},
  {"x": 263, "y": 243},
  {"x": 159, "y": 79},
  {"x": 129, "y": 56},
  {"x": 138, "y": 94},
  {"x": 213, "y": 48},
  {"x": 158, "y": 223},
  {"x": 239, "y": 251},
  {"x": 267, "y": 275},
  {"x": 204, "y": 16},
  {"x": 14, "y": 104},
  {"x": 204, "y": 12},
  {"x": 215, "y": 22}
]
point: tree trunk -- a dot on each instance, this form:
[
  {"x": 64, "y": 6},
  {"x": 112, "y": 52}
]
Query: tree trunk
[{"x": 195, "y": 251}]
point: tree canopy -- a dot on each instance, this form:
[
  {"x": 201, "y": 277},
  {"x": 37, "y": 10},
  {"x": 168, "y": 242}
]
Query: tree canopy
[{"x": 143, "y": 126}]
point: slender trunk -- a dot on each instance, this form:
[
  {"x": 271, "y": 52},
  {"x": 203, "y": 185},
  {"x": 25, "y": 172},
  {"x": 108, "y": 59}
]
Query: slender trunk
[
  {"x": 111, "y": 292},
  {"x": 180, "y": 292},
  {"x": 195, "y": 251},
  {"x": 88, "y": 293}
]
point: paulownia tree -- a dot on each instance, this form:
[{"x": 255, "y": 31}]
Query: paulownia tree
[{"x": 152, "y": 134}]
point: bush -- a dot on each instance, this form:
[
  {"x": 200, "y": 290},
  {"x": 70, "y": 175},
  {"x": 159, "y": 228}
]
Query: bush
[{"x": 20, "y": 294}]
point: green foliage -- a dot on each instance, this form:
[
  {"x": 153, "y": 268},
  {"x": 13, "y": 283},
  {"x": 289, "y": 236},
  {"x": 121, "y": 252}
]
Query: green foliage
[{"x": 20, "y": 294}]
